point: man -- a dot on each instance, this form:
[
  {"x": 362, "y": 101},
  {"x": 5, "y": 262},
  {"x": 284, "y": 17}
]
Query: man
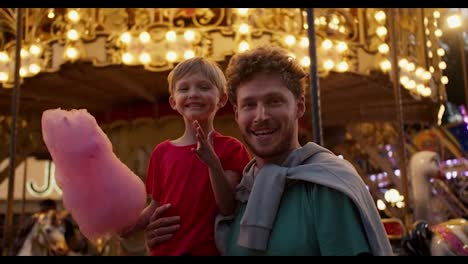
[{"x": 293, "y": 200}]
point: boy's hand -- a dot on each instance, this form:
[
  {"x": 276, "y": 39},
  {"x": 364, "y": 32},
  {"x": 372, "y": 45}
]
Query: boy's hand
[
  {"x": 160, "y": 229},
  {"x": 204, "y": 148}
]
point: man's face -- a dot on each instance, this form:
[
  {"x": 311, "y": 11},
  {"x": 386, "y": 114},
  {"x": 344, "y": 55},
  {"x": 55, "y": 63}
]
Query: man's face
[{"x": 267, "y": 113}]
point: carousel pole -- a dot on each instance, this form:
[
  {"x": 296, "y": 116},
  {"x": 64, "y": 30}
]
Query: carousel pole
[
  {"x": 392, "y": 15},
  {"x": 7, "y": 234},
  {"x": 314, "y": 81}
]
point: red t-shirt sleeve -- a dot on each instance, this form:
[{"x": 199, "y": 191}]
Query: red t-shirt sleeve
[
  {"x": 153, "y": 187},
  {"x": 235, "y": 156}
]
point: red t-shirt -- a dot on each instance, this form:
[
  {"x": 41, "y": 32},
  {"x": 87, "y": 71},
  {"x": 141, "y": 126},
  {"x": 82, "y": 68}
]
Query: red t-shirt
[{"x": 177, "y": 176}]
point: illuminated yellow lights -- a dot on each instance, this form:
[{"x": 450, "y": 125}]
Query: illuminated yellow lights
[
  {"x": 410, "y": 67},
  {"x": 126, "y": 37},
  {"x": 51, "y": 14},
  {"x": 400, "y": 204},
  {"x": 145, "y": 37},
  {"x": 145, "y": 58},
  {"x": 23, "y": 72},
  {"x": 403, "y": 63},
  {"x": 420, "y": 88},
  {"x": 244, "y": 46},
  {"x": 342, "y": 66},
  {"x": 24, "y": 53},
  {"x": 436, "y": 14},
  {"x": 381, "y": 31},
  {"x": 428, "y": 43},
  {"x": 431, "y": 69},
  {"x": 427, "y": 76},
  {"x": 73, "y": 15},
  {"x": 444, "y": 80},
  {"x": 171, "y": 56},
  {"x": 71, "y": 52},
  {"x": 411, "y": 84},
  {"x": 72, "y": 34},
  {"x": 34, "y": 68},
  {"x": 383, "y": 48},
  {"x": 392, "y": 196},
  {"x": 327, "y": 44},
  {"x": 454, "y": 21},
  {"x": 380, "y": 16},
  {"x": 328, "y": 64},
  {"x": 304, "y": 42},
  {"x": 171, "y": 36},
  {"x": 189, "y": 54},
  {"x": 35, "y": 50},
  {"x": 290, "y": 40},
  {"x": 381, "y": 205},
  {"x": 244, "y": 28},
  {"x": 427, "y": 31},
  {"x": 189, "y": 35},
  {"x": 442, "y": 65},
  {"x": 127, "y": 58},
  {"x": 438, "y": 33},
  {"x": 429, "y": 54},
  {"x": 419, "y": 72},
  {"x": 242, "y": 11},
  {"x": 306, "y": 26},
  {"x": 341, "y": 46},
  {"x": 440, "y": 52},
  {"x": 426, "y": 92},
  {"x": 3, "y": 76},
  {"x": 305, "y": 61},
  {"x": 404, "y": 80},
  {"x": 385, "y": 65},
  {"x": 4, "y": 56}
]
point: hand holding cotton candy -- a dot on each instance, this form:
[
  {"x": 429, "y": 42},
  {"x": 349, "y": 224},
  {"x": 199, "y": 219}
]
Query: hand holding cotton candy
[{"x": 103, "y": 195}]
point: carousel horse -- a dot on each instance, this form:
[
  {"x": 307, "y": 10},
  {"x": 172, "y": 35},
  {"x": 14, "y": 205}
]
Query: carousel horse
[
  {"x": 438, "y": 231},
  {"x": 42, "y": 235}
]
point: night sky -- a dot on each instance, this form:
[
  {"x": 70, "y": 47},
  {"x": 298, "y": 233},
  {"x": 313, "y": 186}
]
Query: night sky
[{"x": 454, "y": 71}]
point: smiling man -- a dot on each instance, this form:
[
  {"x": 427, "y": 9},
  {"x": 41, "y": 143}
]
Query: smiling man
[{"x": 294, "y": 200}]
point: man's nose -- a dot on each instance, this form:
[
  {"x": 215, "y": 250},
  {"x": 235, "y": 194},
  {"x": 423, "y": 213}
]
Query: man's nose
[{"x": 261, "y": 114}]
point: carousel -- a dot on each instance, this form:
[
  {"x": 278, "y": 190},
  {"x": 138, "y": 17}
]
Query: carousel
[{"x": 378, "y": 101}]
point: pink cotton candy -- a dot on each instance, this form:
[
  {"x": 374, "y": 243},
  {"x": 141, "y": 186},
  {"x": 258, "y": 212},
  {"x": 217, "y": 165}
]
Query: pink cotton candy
[{"x": 103, "y": 195}]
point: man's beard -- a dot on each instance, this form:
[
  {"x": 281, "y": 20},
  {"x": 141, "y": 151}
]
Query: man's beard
[{"x": 284, "y": 146}]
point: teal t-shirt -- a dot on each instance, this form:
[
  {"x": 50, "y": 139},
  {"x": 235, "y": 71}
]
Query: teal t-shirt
[{"x": 312, "y": 220}]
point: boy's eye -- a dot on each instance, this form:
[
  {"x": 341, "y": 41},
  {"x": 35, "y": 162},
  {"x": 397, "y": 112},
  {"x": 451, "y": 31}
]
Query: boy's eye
[
  {"x": 183, "y": 89},
  {"x": 205, "y": 87}
]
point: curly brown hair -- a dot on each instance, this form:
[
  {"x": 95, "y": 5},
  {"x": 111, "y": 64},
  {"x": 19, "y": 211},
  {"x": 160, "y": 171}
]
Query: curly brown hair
[{"x": 266, "y": 59}]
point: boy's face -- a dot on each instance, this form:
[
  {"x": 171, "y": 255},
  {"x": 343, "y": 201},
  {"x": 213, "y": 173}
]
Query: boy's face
[
  {"x": 196, "y": 98},
  {"x": 267, "y": 113}
]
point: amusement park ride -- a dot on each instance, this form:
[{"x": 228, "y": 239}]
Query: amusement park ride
[{"x": 382, "y": 87}]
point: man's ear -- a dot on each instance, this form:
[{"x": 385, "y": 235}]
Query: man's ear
[
  {"x": 222, "y": 100},
  {"x": 300, "y": 106},
  {"x": 172, "y": 102}
]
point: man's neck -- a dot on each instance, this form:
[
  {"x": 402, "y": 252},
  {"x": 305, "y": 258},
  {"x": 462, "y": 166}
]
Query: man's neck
[{"x": 276, "y": 159}]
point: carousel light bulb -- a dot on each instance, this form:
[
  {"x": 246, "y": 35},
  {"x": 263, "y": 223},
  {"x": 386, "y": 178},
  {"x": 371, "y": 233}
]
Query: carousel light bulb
[
  {"x": 189, "y": 54},
  {"x": 444, "y": 80},
  {"x": 419, "y": 72},
  {"x": 71, "y": 53},
  {"x": 244, "y": 28},
  {"x": 171, "y": 56},
  {"x": 431, "y": 69},
  {"x": 328, "y": 64},
  {"x": 381, "y": 31},
  {"x": 126, "y": 37},
  {"x": 145, "y": 37},
  {"x": 410, "y": 67},
  {"x": 341, "y": 46},
  {"x": 442, "y": 65},
  {"x": 381, "y": 205},
  {"x": 380, "y": 16},
  {"x": 290, "y": 40},
  {"x": 242, "y": 11},
  {"x": 34, "y": 68},
  {"x": 438, "y": 32},
  {"x": 428, "y": 43},
  {"x": 3, "y": 76},
  {"x": 306, "y": 26},
  {"x": 171, "y": 36},
  {"x": 392, "y": 196},
  {"x": 304, "y": 42},
  {"x": 385, "y": 65},
  {"x": 189, "y": 35},
  {"x": 383, "y": 48},
  {"x": 51, "y": 13},
  {"x": 72, "y": 34},
  {"x": 305, "y": 61},
  {"x": 35, "y": 50},
  {"x": 23, "y": 72},
  {"x": 342, "y": 29},
  {"x": 454, "y": 21},
  {"x": 426, "y": 92},
  {"x": 244, "y": 46},
  {"x": 127, "y": 58},
  {"x": 4, "y": 56},
  {"x": 419, "y": 88},
  {"x": 400, "y": 204},
  {"x": 403, "y": 63},
  {"x": 335, "y": 20},
  {"x": 411, "y": 84},
  {"x": 145, "y": 58},
  {"x": 73, "y": 15},
  {"x": 427, "y": 75},
  {"x": 404, "y": 80},
  {"x": 24, "y": 53},
  {"x": 427, "y": 31},
  {"x": 440, "y": 52},
  {"x": 327, "y": 44},
  {"x": 342, "y": 66},
  {"x": 436, "y": 14},
  {"x": 429, "y": 54}
]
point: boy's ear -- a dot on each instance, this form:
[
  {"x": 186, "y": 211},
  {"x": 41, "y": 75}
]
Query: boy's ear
[
  {"x": 172, "y": 102},
  {"x": 222, "y": 100}
]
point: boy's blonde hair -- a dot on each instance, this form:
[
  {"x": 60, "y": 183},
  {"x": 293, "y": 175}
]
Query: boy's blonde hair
[{"x": 209, "y": 69}]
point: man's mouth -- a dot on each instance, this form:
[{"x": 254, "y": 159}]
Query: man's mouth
[{"x": 263, "y": 132}]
